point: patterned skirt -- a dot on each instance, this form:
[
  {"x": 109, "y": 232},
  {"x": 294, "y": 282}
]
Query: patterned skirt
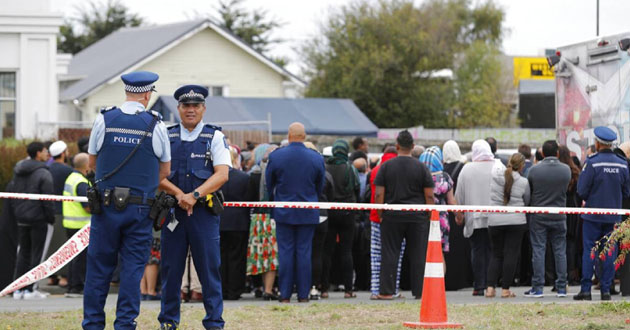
[{"x": 262, "y": 250}]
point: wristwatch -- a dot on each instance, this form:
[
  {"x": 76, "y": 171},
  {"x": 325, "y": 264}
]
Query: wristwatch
[{"x": 196, "y": 194}]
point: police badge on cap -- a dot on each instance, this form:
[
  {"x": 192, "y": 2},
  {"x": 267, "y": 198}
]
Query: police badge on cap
[
  {"x": 139, "y": 81},
  {"x": 188, "y": 94}
]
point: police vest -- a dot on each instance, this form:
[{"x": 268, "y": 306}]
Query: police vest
[
  {"x": 191, "y": 161},
  {"x": 122, "y": 133},
  {"x": 74, "y": 215}
]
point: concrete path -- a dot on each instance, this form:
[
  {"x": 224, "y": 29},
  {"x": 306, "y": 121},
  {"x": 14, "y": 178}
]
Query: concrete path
[{"x": 57, "y": 302}]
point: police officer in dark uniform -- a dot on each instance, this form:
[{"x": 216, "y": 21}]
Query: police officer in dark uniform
[
  {"x": 200, "y": 165},
  {"x": 130, "y": 151},
  {"x": 604, "y": 182}
]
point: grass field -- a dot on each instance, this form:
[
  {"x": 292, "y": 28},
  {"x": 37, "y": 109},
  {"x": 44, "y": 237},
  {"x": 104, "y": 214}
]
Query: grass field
[{"x": 363, "y": 316}]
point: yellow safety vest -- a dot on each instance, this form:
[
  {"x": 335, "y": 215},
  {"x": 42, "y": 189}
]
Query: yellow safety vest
[{"x": 74, "y": 215}]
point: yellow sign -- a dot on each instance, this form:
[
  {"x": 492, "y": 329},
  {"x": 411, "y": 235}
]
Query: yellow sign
[{"x": 531, "y": 68}]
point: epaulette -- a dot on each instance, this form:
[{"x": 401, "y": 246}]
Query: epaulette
[
  {"x": 213, "y": 127},
  {"x": 592, "y": 155},
  {"x": 105, "y": 109},
  {"x": 168, "y": 128}
]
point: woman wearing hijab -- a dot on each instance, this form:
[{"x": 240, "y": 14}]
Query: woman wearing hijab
[
  {"x": 473, "y": 188},
  {"x": 262, "y": 250},
  {"x": 341, "y": 222},
  {"x": 443, "y": 191},
  {"x": 453, "y": 160}
]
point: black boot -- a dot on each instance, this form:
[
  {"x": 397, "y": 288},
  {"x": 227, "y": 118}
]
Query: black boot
[{"x": 583, "y": 296}]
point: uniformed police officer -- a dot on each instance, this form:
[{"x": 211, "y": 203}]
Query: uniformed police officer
[
  {"x": 201, "y": 161},
  {"x": 604, "y": 181},
  {"x": 123, "y": 226}
]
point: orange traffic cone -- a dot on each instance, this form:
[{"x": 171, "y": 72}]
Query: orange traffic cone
[{"x": 433, "y": 313}]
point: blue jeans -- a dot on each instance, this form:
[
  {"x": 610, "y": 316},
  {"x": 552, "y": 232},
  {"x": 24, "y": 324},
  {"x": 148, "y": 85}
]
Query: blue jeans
[
  {"x": 541, "y": 229},
  {"x": 593, "y": 232}
]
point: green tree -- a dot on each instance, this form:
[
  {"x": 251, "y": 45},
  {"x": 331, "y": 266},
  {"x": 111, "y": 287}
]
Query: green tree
[
  {"x": 479, "y": 89},
  {"x": 254, "y": 27},
  {"x": 93, "y": 23},
  {"x": 382, "y": 55}
]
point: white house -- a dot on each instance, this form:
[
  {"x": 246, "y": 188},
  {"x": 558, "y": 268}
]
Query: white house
[
  {"x": 192, "y": 52},
  {"x": 28, "y": 66}
]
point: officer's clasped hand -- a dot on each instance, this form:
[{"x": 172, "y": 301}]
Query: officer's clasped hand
[{"x": 186, "y": 202}]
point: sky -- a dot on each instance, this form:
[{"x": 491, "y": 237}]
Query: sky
[{"x": 532, "y": 25}]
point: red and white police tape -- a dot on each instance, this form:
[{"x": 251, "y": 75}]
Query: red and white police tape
[{"x": 80, "y": 240}]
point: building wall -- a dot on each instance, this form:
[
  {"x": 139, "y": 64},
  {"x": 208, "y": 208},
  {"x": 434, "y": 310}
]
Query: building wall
[
  {"x": 206, "y": 58},
  {"x": 28, "y": 40}
]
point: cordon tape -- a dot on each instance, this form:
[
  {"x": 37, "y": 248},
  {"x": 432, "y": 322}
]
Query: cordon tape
[{"x": 77, "y": 243}]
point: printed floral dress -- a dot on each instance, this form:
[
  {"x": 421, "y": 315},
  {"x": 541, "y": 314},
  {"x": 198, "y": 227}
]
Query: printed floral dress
[
  {"x": 262, "y": 250},
  {"x": 443, "y": 184}
]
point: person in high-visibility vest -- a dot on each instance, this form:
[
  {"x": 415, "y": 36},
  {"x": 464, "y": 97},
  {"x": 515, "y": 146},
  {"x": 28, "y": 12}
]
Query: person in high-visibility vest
[{"x": 75, "y": 216}]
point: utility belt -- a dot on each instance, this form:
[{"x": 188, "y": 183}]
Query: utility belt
[
  {"x": 120, "y": 197},
  {"x": 162, "y": 210}
]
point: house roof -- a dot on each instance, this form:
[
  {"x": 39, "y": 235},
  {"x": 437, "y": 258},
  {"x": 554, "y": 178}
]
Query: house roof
[
  {"x": 319, "y": 116},
  {"x": 112, "y": 56}
]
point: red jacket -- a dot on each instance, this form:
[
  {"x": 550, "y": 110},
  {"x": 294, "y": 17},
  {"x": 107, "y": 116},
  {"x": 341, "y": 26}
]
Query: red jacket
[{"x": 374, "y": 213}]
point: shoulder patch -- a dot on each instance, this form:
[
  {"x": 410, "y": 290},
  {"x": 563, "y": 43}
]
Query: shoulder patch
[
  {"x": 105, "y": 109},
  {"x": 213, "y": 127}
]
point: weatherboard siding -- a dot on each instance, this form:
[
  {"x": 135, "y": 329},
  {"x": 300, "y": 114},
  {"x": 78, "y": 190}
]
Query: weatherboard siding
[{"x": 206, "y": 58}]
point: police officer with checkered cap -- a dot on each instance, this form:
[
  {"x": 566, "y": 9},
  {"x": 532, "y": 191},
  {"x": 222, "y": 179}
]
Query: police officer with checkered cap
[
  {"x": 130, "y": 152},
  {"x": 604, "y": 182},
  {"x": 200, "y": 163}
]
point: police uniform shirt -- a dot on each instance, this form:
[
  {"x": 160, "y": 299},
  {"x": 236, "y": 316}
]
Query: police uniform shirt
[
  {"x": 219, "y": 148},
  {"x": 161, "y": 144}
]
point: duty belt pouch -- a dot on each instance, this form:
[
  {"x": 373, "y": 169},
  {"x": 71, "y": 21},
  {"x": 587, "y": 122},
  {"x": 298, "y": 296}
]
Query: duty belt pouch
[
  {"x": 217, "y": 202},
  {"x": 94, "y": 200},
  {"x": 121, "y": 198}
]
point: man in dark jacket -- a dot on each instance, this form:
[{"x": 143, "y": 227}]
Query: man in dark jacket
[
  {"x": 34, "y": 218},
  {"x": 234, "y": 228}
]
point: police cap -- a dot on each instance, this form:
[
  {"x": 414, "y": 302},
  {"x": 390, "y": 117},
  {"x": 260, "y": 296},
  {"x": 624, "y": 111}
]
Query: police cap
[
  {"x": 139, "y": 81},
  {"x": 191, "y": 94},
  {"x": 605, "y": 135}
]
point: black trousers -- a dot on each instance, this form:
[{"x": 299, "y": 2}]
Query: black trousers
[
  {"x": 76, "y": 268},
  {"x": 340, "y": 223},
  {"x": 31, "y": 242},
  {"x": 480, "y": 257},
  {"x": 505, "y": 244},
  {"x": 233, "y": 263},
  {"x": 317, "y": 256},
  {"x": 417, "y": 236}
]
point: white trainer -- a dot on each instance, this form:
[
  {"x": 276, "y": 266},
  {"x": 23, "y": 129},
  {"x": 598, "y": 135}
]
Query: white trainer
[
  {"x": 18, "y": 294},
  {"x": 33, "y": 295}
]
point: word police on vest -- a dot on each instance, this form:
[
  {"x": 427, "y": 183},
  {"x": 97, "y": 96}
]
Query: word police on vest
[
  {"x": 611, "y": 170},
  {"x": 127, "y": 140}
]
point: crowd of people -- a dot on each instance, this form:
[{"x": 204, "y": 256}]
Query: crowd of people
[{"x": 353, "y": 250}]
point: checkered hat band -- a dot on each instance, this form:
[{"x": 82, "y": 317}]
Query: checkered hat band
[
  {"x": 190, "y": 95},
  {"x": 138, "y": 89}
]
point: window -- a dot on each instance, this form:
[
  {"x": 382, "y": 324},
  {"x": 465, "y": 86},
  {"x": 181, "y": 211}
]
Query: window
[
  {"x": 218, "y": 90},
  {"x": 7, "y": 103}
]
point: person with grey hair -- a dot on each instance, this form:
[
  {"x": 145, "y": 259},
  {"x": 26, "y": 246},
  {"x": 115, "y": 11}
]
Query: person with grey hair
[{"x": 417, "y": 151}]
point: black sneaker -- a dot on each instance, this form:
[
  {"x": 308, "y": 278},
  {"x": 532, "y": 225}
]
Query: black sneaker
[
  {"x": 583, "y": 296},
  {"x": 606, "y": 296}
]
